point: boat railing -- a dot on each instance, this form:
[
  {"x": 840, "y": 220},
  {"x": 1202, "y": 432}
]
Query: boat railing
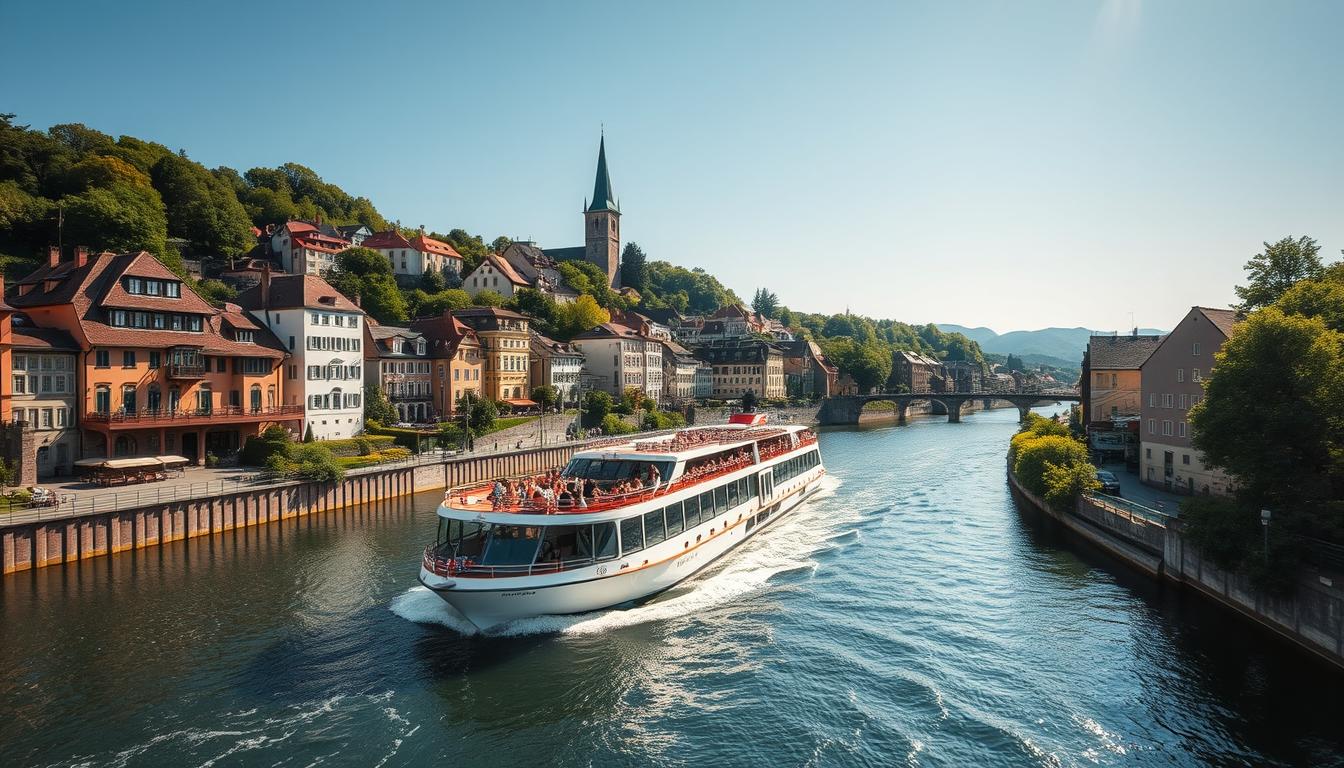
[
  {"x": 697, "y": 438},
  {"x": 479, "y": 496},
  {"x": 465, "y": 567}
]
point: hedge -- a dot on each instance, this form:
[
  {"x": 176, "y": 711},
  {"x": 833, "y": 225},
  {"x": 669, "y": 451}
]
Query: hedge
[
  {"x": 358, "y": 446},
  {"x": 409, "y": 439}
]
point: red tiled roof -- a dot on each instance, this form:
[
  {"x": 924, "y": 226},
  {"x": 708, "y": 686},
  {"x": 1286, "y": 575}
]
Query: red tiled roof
[
  {"x": 90, "y": 288},
  {"x": 445, "y": 334},
  {"x": 144, "y": 265},
  {"x": 321, "y": 243},
  {"x": 294, "y": 291},
  {"x": 31, "y": 337},
  {"x": 384, "y": 240},
  {"x": 430, "y": 245},
  {"x": 1223, "y": 319},
  {"x": 505, "y": 269}
]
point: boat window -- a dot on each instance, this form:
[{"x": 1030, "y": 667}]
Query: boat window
[
  {"x": 464, "y": 538},
  {"x": 561, "y": 543},
  {"x": 675, "y": 524},
  {"x": 706, "y": 506},
  {"x": 511, "y": 545},
  {"x": 615, "y": 470},
  {"x": 692, "y": 506},
  {"x": 751, "y": 487},
  {"x": 604, "y": 538},
  {"x": 653, "y": 528},
  {"x": 734, "y": 498},
  {"x": 632, "y": 535},
  {"x": 720, "y": 500}
]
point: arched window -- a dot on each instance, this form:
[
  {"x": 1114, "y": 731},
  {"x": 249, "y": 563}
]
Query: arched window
[
  {"x": 270, "y": 396},
  {"x": 128, "y": 398},
  {"x": 153, "y": 400},
  {"x": 205, "y": 400},
  {"x": 256, "y": 398},
  {"x": 102, "y": 398}
]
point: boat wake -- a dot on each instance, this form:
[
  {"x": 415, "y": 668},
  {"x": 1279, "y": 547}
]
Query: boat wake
[{"x": 787, "y": 546}]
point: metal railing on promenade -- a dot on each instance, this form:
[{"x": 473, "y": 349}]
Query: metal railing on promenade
[
  {"x": 1132, "y": 509},
  {"x": 75, "y": 503}
]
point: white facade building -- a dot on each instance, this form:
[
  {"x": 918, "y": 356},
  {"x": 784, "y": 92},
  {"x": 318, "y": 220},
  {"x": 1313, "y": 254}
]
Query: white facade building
[
  {"x": 620, "y": 358},
  {"x": 324, "y": 335},
  {"x": 410, "y": 259}
]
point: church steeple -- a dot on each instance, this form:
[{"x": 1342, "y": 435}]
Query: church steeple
[
  {"x": 602, "y": 223},
  {"x": 602, "y": 197}
]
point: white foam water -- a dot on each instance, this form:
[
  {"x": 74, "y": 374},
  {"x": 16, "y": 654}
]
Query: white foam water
[{"x": 785, "y": 546}]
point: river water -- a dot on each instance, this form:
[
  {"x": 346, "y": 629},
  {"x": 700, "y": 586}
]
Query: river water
[{"x": 911, "y": 615}]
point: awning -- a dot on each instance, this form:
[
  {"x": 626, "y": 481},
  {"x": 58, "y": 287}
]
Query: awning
[
  {"x": 167, "y": 460},
  {"x": 136, "y": 463},
  {"x": 521, "y": 403},
  {"x": 90, "y": 462}
]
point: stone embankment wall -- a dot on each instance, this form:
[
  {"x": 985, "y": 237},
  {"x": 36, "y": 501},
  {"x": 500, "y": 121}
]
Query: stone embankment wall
[
  {"x": 52, "y": 542},
  {"x": 1312, "y": 617}
]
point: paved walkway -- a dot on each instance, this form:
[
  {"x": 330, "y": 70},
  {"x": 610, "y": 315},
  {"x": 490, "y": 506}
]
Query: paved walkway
[{"x": 1154, "y": 498}]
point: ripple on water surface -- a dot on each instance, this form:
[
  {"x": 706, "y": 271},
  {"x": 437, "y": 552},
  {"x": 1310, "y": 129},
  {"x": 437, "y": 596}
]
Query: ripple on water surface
[{"x": 910, "y": 615}]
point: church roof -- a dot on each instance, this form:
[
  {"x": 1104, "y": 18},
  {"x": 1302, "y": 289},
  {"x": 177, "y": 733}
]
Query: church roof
[{"x": 602, "y": 197}]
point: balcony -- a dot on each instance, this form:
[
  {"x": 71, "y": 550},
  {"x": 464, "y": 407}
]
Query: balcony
[
  {"x": 399, "y": 397},
  {"x": 147, "y": 418},
  {"x": 187, "y": 370}
]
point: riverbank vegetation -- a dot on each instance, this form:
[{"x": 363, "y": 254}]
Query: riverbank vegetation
[
  {"x": 1050, "y": 462},
  {"x": 1272, "y": 417}
]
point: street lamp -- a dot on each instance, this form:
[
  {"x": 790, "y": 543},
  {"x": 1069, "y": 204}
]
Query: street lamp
[{"x": 1265, "y": 515}]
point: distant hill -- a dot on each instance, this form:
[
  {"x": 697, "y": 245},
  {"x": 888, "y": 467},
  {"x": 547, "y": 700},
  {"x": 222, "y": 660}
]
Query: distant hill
[{"x": 1061, "y": 343}]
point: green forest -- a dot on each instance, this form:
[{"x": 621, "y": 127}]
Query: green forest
[{"x": 80, "y": 186}]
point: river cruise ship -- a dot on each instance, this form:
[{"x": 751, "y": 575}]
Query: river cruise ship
[{"x": 623, "y": 521}]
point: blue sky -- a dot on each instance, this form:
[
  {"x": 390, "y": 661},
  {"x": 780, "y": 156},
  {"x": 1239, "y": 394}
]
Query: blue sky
[{"x": 1014, "y": 165}]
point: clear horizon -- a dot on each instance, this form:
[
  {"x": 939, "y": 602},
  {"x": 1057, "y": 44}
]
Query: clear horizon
[{"x": 971, "y": 164}]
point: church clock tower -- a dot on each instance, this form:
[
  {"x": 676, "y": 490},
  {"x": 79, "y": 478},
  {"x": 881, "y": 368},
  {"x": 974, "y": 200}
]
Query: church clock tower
[{"x": 602, "y": 223}]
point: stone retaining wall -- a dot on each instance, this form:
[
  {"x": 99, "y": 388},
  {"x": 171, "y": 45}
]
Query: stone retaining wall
[
  {"x": 52, "y": 542},
  {"x": 1311, "y": 618}
]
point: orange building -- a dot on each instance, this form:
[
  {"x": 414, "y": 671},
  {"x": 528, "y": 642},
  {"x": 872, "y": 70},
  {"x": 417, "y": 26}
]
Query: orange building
[
  {"x": 160, "y": 370},
  {"x": 456, "y": 357}
]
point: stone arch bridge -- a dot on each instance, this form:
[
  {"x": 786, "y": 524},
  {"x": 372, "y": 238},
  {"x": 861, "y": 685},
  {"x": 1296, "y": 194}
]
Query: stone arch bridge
[{"x": 845, "y": 409}]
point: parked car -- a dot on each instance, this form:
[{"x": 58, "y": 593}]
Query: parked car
[{"x": 1109, "y": 483}]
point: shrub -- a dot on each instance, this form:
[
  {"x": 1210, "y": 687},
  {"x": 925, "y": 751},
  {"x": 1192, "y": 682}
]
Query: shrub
[
  {"x": 406, "y": 438},
  {"x": 1035, "y": 454},
  {"x": 311, "y": 461},
  {"x": 596, "y": 406},
  {"x": 1064, "y": 484},
  {"x": 615, "y": 425},
  {"x": 662, "y": 420},
  {"x": 315, "y": 463},
  {"x": 258, "y": 450},
  {"x": 359, "y": 446}
]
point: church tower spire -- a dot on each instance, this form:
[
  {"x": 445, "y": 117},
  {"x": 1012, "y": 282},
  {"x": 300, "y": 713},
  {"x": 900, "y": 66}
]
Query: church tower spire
[{"x": 602, "y": 222}]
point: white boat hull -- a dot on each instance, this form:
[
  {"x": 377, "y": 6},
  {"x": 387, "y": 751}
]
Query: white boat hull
[{"x": 489, "y": 602}]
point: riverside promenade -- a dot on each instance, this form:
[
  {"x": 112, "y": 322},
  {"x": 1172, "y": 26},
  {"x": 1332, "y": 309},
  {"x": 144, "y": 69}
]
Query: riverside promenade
[
  {"x": 106, "y": 523},
  {"x": 1151, "y": 542}
]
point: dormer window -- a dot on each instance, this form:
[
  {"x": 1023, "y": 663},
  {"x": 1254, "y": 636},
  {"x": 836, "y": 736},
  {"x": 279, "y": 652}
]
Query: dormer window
[
  {"x": 420, "y": 347},
  {"x": 135, "y": 286},
  {"x": 244, "y": 336}
]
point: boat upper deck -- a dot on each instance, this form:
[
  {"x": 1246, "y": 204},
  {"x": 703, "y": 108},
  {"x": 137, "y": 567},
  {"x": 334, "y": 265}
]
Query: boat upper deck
[{"x": 624, "y": 473}]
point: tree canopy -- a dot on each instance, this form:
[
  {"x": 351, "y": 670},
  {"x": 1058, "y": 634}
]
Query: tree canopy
[{"x": 1275, "y": 269}]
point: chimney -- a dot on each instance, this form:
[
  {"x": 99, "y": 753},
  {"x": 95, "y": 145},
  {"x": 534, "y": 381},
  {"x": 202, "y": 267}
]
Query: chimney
[
  {"x": 264, "y": 287},
  {"x": 81, "y": 255},
  {"x": 357, "y": 300},
  {"x": 1135, "y": 332},
  {"x": 53, "y": 255}
]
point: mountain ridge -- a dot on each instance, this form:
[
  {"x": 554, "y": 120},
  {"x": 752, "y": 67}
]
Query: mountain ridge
[{"x": 1063, "y": 343}]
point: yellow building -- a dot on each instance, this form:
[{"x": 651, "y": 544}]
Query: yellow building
[{"x": 505, "y": 353}]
